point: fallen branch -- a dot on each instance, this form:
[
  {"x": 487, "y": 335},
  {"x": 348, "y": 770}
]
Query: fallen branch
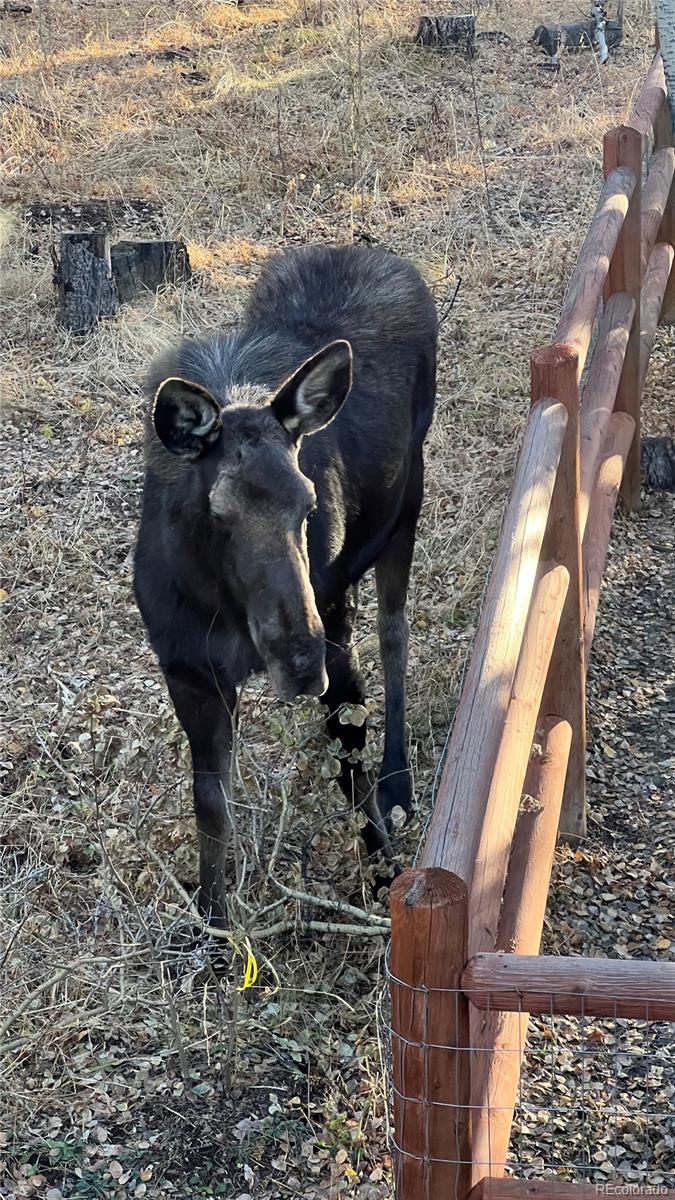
[
  {"x": 339, "y": 906},
  {"x": 376, "y": 925},
  {"x": 28, "y": 1000},
  {"x": 71, "y": 969},
  {"x": 320, "y": 927}
]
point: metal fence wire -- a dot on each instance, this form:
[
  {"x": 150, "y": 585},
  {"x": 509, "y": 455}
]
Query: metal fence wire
[{"x": 596, "y": 1098}]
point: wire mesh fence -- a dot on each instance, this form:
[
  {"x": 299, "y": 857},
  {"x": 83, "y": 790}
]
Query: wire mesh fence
[{"x": 594, "y": 1100}]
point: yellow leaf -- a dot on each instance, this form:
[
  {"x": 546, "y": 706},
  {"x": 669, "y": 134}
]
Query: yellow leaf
[
  {"x": 662, "y": 943},
  {"x": 3, "y": 595}
]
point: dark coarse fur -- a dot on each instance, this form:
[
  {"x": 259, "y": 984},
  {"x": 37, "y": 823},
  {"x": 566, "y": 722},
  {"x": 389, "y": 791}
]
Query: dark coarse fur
[
  {"x": 360, "y": 462},
  {"x": 366, "y": 468}
]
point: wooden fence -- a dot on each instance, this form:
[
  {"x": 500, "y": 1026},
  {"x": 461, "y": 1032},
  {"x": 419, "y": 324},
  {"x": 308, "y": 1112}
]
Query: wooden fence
[{"x": 466, "y": 924}]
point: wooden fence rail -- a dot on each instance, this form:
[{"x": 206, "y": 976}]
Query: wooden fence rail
[
  {"x": 466, "y": 924},
  {"x": 549, "y": 1189},
  {"x": 594, "y": 987},
  {"x": 456, "y": 823}
]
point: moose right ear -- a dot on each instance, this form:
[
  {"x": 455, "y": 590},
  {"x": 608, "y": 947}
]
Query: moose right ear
[{"x": 186, "y": 417}]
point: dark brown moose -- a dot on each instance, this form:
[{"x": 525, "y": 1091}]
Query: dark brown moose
[{"x": 283, "y": 461}]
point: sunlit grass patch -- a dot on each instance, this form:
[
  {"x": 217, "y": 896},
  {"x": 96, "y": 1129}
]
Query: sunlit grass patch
[{"x": 228, "y": 17}]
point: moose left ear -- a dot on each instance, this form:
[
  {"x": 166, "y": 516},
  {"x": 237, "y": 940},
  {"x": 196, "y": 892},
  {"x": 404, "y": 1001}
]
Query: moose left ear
[
  {"x": 315, "y": 393},
  {"x": 186, "y": 417}
]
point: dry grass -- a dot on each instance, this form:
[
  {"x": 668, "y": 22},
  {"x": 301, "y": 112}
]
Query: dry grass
[{"x": 133, "y": 1067}]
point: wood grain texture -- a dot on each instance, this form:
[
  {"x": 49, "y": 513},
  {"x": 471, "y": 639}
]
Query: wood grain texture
[
  {"x": 599, "y": 395},
  {"x": 456, "y": 822},
  {"x": 544, "y": 1189},
  {"x": 430, "y": 1035},
  {"x": 533, "y": 847},
  {"x": 555, "y": 373},
  {"x": 623, "y": 147},
  {"x": 588, "y": 278},
  {"x": 633, "y": 989},
  {"x": 618, "y": 439},
  {"x": 665, "y": 136},
  {"x": 655, "y": 200},
  {"x": 501, "y": 810},
  {"x": 659, "y": 272},
  {"x": 496, "y": 1074},
  {"x": 651, "y": 99}
]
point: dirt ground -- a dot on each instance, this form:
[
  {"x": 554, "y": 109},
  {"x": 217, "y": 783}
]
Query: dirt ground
[{"x": 130, "y": 1067}]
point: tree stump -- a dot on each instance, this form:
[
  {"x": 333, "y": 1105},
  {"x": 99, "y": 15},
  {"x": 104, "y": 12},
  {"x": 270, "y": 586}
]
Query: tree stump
[
  {"x": 579, "y": 35},
  {"x": 448, "y": 33},
  {"x": 658, "y": 463},
  {"x": 94, "y": 278},
  {"x": 139, "y": 265},
  {"x": 85, "y": 282}
]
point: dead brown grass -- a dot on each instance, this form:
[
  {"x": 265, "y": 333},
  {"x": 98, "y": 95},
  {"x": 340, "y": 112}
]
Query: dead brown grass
[{"x": 133, "y": 1067}]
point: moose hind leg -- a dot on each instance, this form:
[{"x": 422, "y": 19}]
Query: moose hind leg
[
  {"x": 392, "y": 573},
  {"x": 207, "y": 714},
  {"x": 345, "y": 686}
]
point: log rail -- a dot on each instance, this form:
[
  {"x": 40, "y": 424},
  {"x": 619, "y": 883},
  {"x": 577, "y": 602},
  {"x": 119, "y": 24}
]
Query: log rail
[{"x": 465, "y": 968}]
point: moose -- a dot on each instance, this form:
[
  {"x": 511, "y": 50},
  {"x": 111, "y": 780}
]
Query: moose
[{"x": 282, "y": 462}]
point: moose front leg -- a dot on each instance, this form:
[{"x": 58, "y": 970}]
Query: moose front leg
[
  {"x": 207, "y": 713},
  {"x": 392, "y": 572},
  {"x": 345, "y": 686}
]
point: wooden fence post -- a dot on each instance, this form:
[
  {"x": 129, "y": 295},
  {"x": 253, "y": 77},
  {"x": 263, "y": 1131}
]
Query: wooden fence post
[
  {"x": 555, "y": 373},
  {"x": 664, "y": 136},
  {"x": 496, "y": 1071},
  {"x": 430, "y": 1035},
  {"x": 624, "y": 147},
  {"x": 611, "y": 464},
  {"x": 663, "y": 126}
]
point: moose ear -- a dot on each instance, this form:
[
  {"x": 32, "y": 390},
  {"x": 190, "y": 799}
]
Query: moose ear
[
  {"x": 186, "y": 417},
  {"x": 316, "y": 391}
]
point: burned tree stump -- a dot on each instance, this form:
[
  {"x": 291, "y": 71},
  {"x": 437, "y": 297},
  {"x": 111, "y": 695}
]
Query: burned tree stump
[
  {"x": 139, "y": 265},
  {"x": 93, "y": 278},
  {"x": 85, "y": 282},
  {"x": 658, "y": 463},
  {"x": 579, "y": 35},
  {"x": 448, "y": 33}
]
